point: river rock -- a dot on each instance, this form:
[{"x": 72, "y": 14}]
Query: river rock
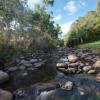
[
  {"x": 87, "y": 68},
  {"x": 12, "y": 69},
  {"x": 33, "y": 61},
  {"x": 22, "y": 67},
  {"x": 28, "y": 65},
  {"x": 3, "y": 76},
  {"x": 97, "y": 64},
  {"x": 68, "y": 86},
  {"x": 61, "y": 65},
  {"x": 23, "y": 62},
  {"x": 39, "y": 64},
  {"x": 98, "y": 77},
  {"x": 64, "y": 59},
  {"x": 63, "y": 70},
  {"x": 5, "y": 95},
  {"x": 71, "y": 70},
  {"x": 73, "y": 64},
  {"x": 92, "y": 71},
  {"x": 72, "y": 58}
]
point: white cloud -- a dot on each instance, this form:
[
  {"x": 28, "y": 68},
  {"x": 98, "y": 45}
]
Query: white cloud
[
  {"x": 71, "y": 7},
  {"x": 66, "y": 27},
  {"x": 58, "y": 17}
]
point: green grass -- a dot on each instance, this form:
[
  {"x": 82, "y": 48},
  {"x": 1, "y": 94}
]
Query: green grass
[{"x": 93, "y": 45}]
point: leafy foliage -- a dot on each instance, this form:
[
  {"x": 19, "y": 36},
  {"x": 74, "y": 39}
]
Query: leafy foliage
[{"x": 23, "y": 29}]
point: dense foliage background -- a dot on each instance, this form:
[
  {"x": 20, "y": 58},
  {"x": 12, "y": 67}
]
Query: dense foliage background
[{"x": 22, "y": 29}]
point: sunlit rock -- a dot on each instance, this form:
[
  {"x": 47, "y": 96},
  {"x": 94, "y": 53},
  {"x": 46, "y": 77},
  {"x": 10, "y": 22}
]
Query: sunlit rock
[
  {"x": 5, "y": 95},
  {"x": 72, "y": 58}
]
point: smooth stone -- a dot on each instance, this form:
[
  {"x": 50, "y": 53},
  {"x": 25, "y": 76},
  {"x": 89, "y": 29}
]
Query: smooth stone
[
  {"x": 39, "y": 64},
  {"x": 5, "y": 95},
  {"x": 25, "y": 74},
  {"x": 62, "y": 69},
  {"x": 31, "y": 69},
  {"x": 92, "y": 71},
  {"x": 12, "y": 69},
  {"x": 24, "y": 62},
  {"x": 72, "y": 58},
  {"x": 64, "y": 59},
  {"x": 3, "y": 76},
  {"x": 73, "y": 64},
  {"x": 67, "y": 86},
  {"x": 39, "y": 87},
  {"x": 33, "y": 61},
  {"x": 22, "y": 67},
  {"x": 61, "y": 65},
  {"x": 87, "y": 68},
  {"x": 82, "y": 93},
  {"x": 28, "y": 65}
]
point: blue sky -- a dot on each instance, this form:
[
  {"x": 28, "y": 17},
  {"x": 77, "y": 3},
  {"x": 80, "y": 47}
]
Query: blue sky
[{"x": 65, "y": 12}]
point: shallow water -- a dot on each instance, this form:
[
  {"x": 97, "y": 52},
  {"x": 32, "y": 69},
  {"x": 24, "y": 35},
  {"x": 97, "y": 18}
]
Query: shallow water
[{"x": 85, "y": 88}]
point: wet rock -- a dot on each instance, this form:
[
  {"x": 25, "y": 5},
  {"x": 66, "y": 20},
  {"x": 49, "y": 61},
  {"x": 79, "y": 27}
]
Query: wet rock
[
  {"x": 64, "y": 59},
  {"x": 63, "y": 70},
  {"x": 97, "y": 64},
  {"x": 67, "y": 86},
  {"x": 22, "y": 67},
  {"x": 31, "y": 69},
  {"x": 61, "y": 65},
  {"x": 79, "y": 71},
  {"x": 72, "y": 58},
  {"x": 87, "y": 68},
  {"x": 19, "y": 93},
  {"x": 39, "y": 64},
  {"x": 28, "y": 65},
  {"x": 5, "y": 95},
  {"x": 73, "y": 64},
  {"x": 12, "y": 69},
  {"x": 33, "y": 61},
  {"x": 24, "y": 62},
  {"x": 92, "y": 71},
  {"x": 24, "y": 74},
  {"x": 71, "y": 70},
  {"x": 98, "y": 77},
  {"x": 3, "y": 76},
  {"x": 46, "y": 86}
]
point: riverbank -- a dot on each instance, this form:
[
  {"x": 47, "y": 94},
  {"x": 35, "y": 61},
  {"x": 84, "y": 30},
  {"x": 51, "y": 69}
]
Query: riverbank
[{"x": 37, "y": 76}]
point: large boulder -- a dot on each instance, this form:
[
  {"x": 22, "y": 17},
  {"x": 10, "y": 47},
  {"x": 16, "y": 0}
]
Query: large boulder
[
  {"x": 3, "y": 76},
  {"x": 5, "y": 95},
  {"x": 72, "y": 58}
]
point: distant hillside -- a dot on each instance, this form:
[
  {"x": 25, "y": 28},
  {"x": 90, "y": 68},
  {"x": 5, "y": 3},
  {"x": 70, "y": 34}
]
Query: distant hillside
[{"x": 85, "y": 29}]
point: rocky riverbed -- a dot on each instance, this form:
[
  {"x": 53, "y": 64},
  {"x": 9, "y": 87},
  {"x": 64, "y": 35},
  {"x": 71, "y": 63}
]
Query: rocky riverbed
[{"x": 72, "y": 74}]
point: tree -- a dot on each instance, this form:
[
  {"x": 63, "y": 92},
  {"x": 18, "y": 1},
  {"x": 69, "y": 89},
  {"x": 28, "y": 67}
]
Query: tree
[{"x": 48, "y": 2}]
